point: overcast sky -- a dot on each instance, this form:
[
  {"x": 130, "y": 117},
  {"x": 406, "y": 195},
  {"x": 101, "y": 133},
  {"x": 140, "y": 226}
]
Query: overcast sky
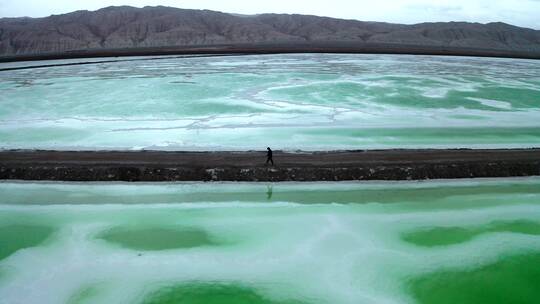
[{"x": 518, "y": 12}]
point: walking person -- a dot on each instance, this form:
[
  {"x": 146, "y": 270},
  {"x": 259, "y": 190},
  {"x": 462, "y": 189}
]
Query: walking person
[{"x": 269, "y": 156}]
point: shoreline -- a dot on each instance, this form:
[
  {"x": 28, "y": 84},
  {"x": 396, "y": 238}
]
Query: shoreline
[
  {"x": 155, "y": 166},
  {"x": 338, "y": 47}
]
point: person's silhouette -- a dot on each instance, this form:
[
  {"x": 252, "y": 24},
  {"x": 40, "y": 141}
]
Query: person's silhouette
[{"x": 269, "y": 156}]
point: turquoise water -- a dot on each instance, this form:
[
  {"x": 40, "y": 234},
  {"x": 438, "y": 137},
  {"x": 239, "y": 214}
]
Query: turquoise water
[
  {"x": 290, "y": 102},
  {"x": 467, "y": 241}
]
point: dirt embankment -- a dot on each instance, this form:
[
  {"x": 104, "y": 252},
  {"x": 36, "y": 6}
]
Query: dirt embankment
[{"x": 249, "y": 166}]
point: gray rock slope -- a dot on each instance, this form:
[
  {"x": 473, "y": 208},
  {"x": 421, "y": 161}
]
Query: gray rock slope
[{"x": 126, "y": 27}]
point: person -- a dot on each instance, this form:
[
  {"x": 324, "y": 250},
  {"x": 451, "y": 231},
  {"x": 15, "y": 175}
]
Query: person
[{"x": 269, "y": 156}]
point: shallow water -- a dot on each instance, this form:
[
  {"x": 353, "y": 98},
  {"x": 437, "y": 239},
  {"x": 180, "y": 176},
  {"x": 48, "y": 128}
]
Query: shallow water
[
  {"x": 467, "y": 241},
  {"x": 302, "y": 101}
]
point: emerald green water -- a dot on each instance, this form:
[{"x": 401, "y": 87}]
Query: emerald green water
[
  {"x": 150, "y": 238},
  {"x": 290, "y": 102},
  {"x": 214, "y": 293},
  {"x": 17, "y": 237},
  {"x": 466, "y": 241},
  {"x": 512, "y": 279},
  {"x": 441, "y": 236}
]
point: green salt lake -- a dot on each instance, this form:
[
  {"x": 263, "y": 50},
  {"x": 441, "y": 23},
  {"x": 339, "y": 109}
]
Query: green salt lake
[
  {"x": 464, "y": 241},
  {"x": 290, "y": 102}
]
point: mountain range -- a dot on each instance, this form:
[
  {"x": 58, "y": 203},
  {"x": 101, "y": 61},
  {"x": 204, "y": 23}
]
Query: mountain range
[{"x": 124, "y": 27}]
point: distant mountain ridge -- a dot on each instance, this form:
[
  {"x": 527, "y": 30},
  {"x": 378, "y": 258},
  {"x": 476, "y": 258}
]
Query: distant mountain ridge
[{"x": 130, "y": 27}]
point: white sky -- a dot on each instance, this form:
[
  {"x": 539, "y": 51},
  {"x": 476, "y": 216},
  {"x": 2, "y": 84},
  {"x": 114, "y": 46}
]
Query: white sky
[{"x": 518, "y": 12}]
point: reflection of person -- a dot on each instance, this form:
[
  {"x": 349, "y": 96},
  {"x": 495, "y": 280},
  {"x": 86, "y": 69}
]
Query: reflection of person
[
  {"x": 269, "y": 156},
  {"x": 269, "y": 192}
]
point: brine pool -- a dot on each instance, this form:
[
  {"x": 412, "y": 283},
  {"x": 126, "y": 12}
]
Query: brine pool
[
  {"x": 466, "y": 241},
  {"x": 288, "y": 102}
]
